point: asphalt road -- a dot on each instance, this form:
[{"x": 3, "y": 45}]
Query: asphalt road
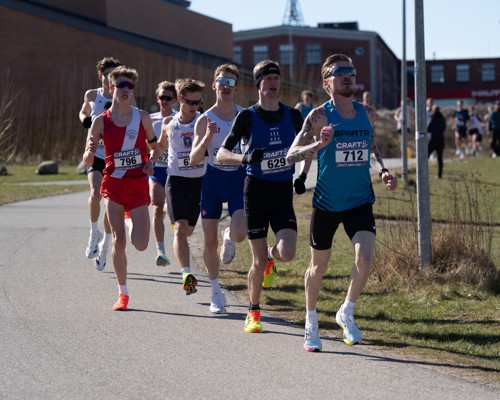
[{"x": 59, "y": 338}]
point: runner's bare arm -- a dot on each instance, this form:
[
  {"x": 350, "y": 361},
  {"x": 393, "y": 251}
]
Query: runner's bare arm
[
  {"x": 314, "y": 135},
  {"x": 95, "y": 135}
]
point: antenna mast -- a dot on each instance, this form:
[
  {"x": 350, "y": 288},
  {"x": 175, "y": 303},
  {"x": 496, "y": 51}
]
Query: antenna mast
[{"x": 293, "y": 15}]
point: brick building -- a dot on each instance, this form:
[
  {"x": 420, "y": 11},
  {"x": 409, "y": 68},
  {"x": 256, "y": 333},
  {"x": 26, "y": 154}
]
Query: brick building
[
  {"x": 301, "y": 52},
  {"x": 472, "y": 80}
]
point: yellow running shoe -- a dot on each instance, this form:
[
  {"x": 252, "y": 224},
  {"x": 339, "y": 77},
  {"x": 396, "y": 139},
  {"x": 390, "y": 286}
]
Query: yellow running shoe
[
  {"x": 189, "y": 284},
  {"x": 252, "y": 323},
  {"x": 269, "y": 275}
]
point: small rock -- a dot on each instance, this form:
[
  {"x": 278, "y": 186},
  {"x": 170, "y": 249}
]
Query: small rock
[{"x": 47, "y": 168}]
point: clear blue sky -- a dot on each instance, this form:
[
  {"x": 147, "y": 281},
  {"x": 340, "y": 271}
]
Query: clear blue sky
[{"x": 453, "y": 28}]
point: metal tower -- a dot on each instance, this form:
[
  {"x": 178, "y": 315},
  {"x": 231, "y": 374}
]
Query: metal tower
[{"x": 293, "y": 15}]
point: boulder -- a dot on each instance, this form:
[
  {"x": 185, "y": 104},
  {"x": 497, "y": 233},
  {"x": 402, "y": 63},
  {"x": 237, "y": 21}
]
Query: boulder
[{"x": 47, "y": 168}]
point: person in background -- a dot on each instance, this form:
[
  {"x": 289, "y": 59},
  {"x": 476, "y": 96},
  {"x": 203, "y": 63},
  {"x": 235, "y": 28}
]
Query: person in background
[
  {"x": 184, "y": 179},
  {"x": 166, "y": 96},
  {"x": 494, "y": 129},
  {"x": 343, "y": 192},
  {"x": 475, "y": 131},
  {"x": 306, "y": 105},
  {"x": 436, "y": 128},
  {"x": 126, "y": 132},
  {"x": 460, "y": 125},
  {"x": 95, "y": 102},
  {"x": 221, "y": 183}
]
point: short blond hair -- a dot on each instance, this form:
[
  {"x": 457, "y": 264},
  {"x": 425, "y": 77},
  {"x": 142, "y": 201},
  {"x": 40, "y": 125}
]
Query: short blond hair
[{"x": 129, "y": 73}]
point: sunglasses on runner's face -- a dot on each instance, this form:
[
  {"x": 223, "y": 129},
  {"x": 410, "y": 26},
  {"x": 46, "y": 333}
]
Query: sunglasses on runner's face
[
  {"x": 341, "y": 71},
  {"x": 224, "y": 81},
  {"x": 166, "y": 98},
  {"x": 105, "y": 74},
  {"x": 193, "y": 102},
  {"x": 124, "y": 84}
]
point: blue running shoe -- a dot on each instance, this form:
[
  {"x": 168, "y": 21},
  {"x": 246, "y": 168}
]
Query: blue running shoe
[
  {"x": 352, "y": 334},
  {"x": 312, "y": 342}
]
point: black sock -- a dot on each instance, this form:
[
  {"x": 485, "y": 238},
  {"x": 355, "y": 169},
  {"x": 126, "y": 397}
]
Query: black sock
[{"x": 254, "y": 307}]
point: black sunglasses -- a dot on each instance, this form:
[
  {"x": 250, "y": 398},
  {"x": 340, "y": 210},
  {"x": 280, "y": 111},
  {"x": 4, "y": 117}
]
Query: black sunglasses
[
  {"x": 124, "y": 84},
  {"x": 166, "y": 98},
  {"x": 193, "y": 102}
]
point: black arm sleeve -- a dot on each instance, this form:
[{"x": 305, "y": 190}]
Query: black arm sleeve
[
  {"x": 241, "y": 129},
  {"x": 297, "y": 118}
]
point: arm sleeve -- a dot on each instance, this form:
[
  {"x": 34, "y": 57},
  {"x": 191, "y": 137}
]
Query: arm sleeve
[
  {"x": 297, "y": 118},
  {"x": 241, "y": 129}
]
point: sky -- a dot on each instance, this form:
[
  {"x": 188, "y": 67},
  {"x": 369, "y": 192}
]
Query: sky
[{"x": 453, "y": 29}]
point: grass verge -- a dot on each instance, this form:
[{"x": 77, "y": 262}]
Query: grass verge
[
  {"x": 23, "y": 183},
  {"x": 436, "y": 320}
]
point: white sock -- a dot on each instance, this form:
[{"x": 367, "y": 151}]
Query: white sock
[
  {"x": 160, "y": 246},
  {"x": 122, "y": 289},
  {"x": 215, "y": 286},
  {"x": 93, "y": 229},
  {"x": 311, "y": 317},
  {"x": 106, "y": 242},
  {"x": 227, "y": 234},
  {"x": 185, "y": 271},
  {"x": 348, "y": 307},
  {"x": 269, "y": 255}
]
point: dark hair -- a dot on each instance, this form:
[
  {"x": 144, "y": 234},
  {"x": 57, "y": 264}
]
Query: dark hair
[{"x": 107, "y": 62}]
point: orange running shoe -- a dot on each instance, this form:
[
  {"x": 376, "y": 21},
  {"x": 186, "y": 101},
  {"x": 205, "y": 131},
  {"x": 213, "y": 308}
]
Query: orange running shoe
[{"x": 121, "y": 304}]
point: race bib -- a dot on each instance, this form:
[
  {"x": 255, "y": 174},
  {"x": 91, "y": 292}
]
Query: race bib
[
  {"x": 352, "y": 154},
  {"x": 225, "y": 167},
  {"x": 129, "y": 159},
  {"x": 184, "y": 163},
  {"x": 163, "y": 160},
  {"x": 274, "y": 161}
]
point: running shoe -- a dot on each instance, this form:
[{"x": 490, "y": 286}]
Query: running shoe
[
  {"x": 128, "y": 224},
  {"x": 122, "y": 303},
  {"x": 269, "y": 275},
  {"x": 218, "y": 303},
  {"x": 162, "y": 260},
  {"x": 100, "y": 261},
  {"x": 92, "y": 250},
  {"x": 352, "y": 334},
  {"x": 228, "y": 248},
  {"x": 312, "y": 342},
  {"x": 252, "y": 322},
  {"x": 189, "y": 284}
]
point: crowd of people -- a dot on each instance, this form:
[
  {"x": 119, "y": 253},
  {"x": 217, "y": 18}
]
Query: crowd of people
[{"x": 190, "y": 163}]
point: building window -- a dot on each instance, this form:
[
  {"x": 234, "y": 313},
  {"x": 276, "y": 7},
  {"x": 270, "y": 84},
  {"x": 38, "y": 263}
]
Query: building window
[
  {"x": 463, "y": 73},
  {"x": 437, "y": 73},
  {"x": 313, "y": 54},
  {"x": 237, "y": 55},
  {"x": 260, "y": 52},
  {"x": 488, "y": 72},
  {"x": 286, "y": 54}
]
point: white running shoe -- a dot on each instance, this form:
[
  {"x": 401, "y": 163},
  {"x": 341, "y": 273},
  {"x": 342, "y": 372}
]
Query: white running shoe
[
  {"x": 128, "y": 226},
  {"x": 227, "y": 249},
  {"x": 218, "y": 303},
  {"x": 92, "y": 250},
  {"x": 100, "y": 261},
  {"x": 312, "y": 342},
  {"x": 162, "y": 260},
  {"x": 352, "y": 334}
]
